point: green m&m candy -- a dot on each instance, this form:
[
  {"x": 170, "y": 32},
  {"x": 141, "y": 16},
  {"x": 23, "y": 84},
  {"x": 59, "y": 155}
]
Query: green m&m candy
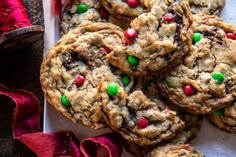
[
  {"x": 219, "y": 112},
  {"x": 125, "y": 80},
  {"x": 65, "y": 101},
  {"x": 197, "y": 37},
  {"x": 133, "y": 60},
  {"x": 219, "y": 77},
  {"x": 170, "y": 81},
  {"x": 112, "y": 89},
  {"x": 147, "y": 84},
  {"x": 81, "y": 8}
]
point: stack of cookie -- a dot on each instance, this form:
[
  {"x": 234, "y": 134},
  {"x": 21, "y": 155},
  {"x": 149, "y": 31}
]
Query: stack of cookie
[{"x": 147, "y": 69}]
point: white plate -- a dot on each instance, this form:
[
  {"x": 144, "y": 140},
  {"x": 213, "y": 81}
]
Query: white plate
[{"x": 211, "y": 141}]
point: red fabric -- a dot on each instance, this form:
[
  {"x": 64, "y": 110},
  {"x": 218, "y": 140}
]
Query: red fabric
[
  {"x": 27, "y": 112},
  {"x": 52, "y": 144},
  {"x": 26, "y": 128},
  {"x": 58, "y": 6},
  {"x": 13, "y": 15},
  {"x": 108, "y": 141}
]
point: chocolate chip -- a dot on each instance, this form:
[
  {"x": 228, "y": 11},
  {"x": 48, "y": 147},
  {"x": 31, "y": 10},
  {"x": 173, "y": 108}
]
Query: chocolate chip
[
  {"x": 72, "y": 58},
  {"x": 178, "y": 19},
  {"x": 68, "y": 63},
  {"x": 177, "y": 33},
  {"x": 208, "y": 33}
]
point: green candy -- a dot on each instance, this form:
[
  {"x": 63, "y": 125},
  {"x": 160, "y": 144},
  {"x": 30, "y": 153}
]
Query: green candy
[
  {"x": 65, "y": 101},
  {"x": 82, "y": 8},
  {"x": 219, "y": 112},
  {"x": 112, "y": 89},
  {"x": 147, "y": 84},
  {"x": 170, "y": 81},
  {"x": 125, "y": 80},
  {"x": 197, "y": 37},
  {"x": 219, "y": 77},
  {"x": 133, "y": 60}
]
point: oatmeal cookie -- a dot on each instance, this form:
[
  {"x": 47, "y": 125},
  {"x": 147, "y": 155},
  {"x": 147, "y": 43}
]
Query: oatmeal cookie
[
  {"x": 124, "y": 24},
  {"x": 156, "y": 40},
  {"x": 128, "y": 9},
  {"x": 207, "y": 6},
  {"x": 197, "y": 6},
  {"x": 192, "y": 122},
  {"x": 73, "y": 69},
  {"x": 135, "y": 149},
  {"x": 139, "y": 116},
  {"x": 139, "y": 120},
  {"x": 183, "y": 150},
  {"x": 206, "y": 79},
  {"x": 191, "y": 129},
  {"x": 78, "y": 12},
  {"x": 225, "y": 118},
  {"x": 84, "y": 11}
]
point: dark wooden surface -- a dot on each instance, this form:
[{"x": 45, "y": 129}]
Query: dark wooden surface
[{"x": 19, "y": 69}]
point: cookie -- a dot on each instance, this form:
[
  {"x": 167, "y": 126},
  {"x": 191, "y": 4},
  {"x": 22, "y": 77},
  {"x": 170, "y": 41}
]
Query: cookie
[
  {"x": 73, "y": 69},
  {"x": 225, "y": 118},
  {"x": 139, "y": 117},
  {"x": 135, "y": 149},
  {"x": 197, "y": 6},
  {"x": 191, "y": 129},
  {"x": 78, "y": 12},
  {"x": 139, "y": 120},
  {"x": 205, "y": 81},
  {"x": 84, "y": 11},
  {"x": 124, "y": 24},
  {"x": 207, "y": 6},
  {"x": 183, "y": 150},
  {"x": 192, "y": 122},
  {"x": 127, "y": 10},
  {"x": 156, "y": 40}
]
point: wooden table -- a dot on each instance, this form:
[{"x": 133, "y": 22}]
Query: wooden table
[{"x": 19, "y": 69}]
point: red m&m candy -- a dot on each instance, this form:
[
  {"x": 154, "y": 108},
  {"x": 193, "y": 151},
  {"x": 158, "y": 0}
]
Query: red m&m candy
[
  {"x": 142, "y": 123},
  {"x": 103, "y": 13},
  {"x": 189, "y": 90},
  {"x": 130, "y": 34},
  {"x": 133, "y": 3},
  {"x": 169, "y": 17},
  {"x": 231, "y": 36},
  {"x": 79, "y": 80},
  {"x": 106, "y": 49}
]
